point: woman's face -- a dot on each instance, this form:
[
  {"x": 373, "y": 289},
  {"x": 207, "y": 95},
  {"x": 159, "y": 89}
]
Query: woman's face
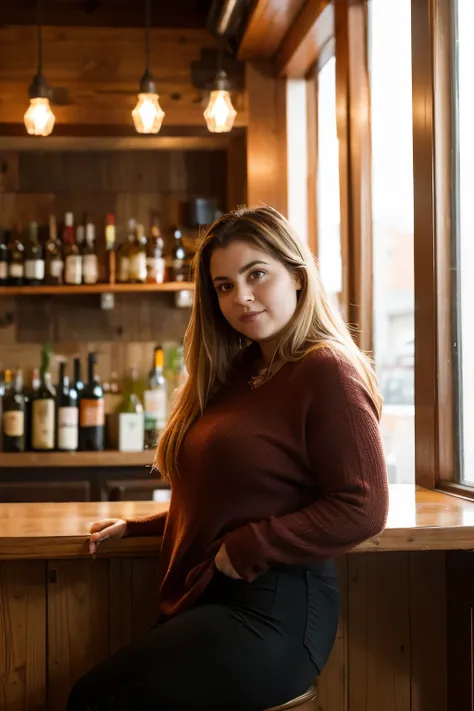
[{"x": 256, "y": 293}]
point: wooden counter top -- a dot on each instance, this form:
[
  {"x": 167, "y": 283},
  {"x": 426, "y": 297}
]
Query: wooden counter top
[{"x": 418, "y": 520}]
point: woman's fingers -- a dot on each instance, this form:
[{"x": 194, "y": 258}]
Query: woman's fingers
[
  {"x": 100, "y": 531},
  {"x": 100, "y": 525}
]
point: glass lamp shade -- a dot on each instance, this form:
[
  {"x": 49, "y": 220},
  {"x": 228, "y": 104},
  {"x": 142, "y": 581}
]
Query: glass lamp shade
[
  {"x": 39, "y": 119},
  {"x": 148, "y": 114},
  {"x": 220, "y": 114}
]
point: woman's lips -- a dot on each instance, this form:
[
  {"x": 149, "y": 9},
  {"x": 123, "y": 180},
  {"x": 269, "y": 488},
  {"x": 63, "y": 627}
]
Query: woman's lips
[{"x": 251, "y": 316}]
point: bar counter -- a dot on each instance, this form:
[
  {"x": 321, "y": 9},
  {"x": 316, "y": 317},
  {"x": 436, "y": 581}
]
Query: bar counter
[
  {"x": 418, "y": 519},
  {"x": 405, "y": 593}
]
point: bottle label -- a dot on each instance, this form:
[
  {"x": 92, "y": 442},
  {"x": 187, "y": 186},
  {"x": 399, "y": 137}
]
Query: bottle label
[
  {"x": 16, "y": 270},
  {"x": 14, "y": 423},
  {"x": 43, "y": 424},
  {"x": 138, "y": 267},
  {"x": 92, "y": 413},
  {"x": 155, "y": 267},
  {"x": 68, "y": 428},
  {"x": 56, "y": 267},
  {"x": 34, "y": 269},
  {"x": 155, "y": 402},
  {"x": 3, "y": 270},
  {"x": 73, "y": 269},
  {"x": 124, "y": 269},
  {"x": 90, "y": 269}
]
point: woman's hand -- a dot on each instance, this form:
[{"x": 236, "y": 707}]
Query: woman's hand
[
  {"x": 108, "y": 528},
  {"x": 223, "y": 564}
]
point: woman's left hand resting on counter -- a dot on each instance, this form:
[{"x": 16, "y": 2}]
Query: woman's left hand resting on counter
[
  {"x": 224, "y": 565},
  {"x": 108, "y": 528}
]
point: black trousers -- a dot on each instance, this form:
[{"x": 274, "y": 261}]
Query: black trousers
[{"x": 242, "y": 647}]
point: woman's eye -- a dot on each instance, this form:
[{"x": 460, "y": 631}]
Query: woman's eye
[
  {"x": 224, "y": 287},
  {"x": 257, "y": 274}
]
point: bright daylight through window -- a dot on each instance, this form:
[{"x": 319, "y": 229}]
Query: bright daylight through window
[
  {"x": 392, "y": 214},
  {"x": 464, "y": 340}
]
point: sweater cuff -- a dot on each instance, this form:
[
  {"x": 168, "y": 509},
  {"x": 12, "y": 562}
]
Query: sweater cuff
[
  {"x": 245, "y": 554},
  {"x": 146, "y": 525}
]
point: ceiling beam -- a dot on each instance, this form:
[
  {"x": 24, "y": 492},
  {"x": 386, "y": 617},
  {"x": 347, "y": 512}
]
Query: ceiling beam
[
  {"x": 267, "y": 27},
  {"x": 309, "y": 34}
]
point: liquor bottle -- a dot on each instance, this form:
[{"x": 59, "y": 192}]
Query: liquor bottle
[
  {"x": 34, "y": 259},
  {"x": 78, "y": 384},
  {"x": 44, "y": 408},
  {"x": 72, "y": 253},
  {"x": 54, "y": 265},
  {"x": 126, "y": 425},
  {"x": 110, "y": 235},
  {"x": 178, "y": 259},
  {"x": 91, "y": 411},
  {"x": 3, "y": 259},
  {"x": 29, "y": 391},
  {"x": 13, "y": 408},
  {"x": 155, "y": 264},
  {"x": 68, "y": 413},
  {"x": 132, "y": 401},
  {"x": 137, "y": 256},
  {"x": 156, "y": 400},
  {"x": 123, "y": 255},
  {"x": 90, "y": 265},
  {"x": 16, "y": 262}
]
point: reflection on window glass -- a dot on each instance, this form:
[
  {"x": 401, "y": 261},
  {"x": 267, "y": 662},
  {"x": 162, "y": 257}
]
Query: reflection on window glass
[
  {"x": 328, "y": 206},
  {"x": 465, "y": 243},
  {"x": 392, "y": 215}
]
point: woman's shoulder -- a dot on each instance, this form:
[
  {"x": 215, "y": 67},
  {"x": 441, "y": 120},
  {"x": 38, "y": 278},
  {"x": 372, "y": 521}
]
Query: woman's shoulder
[{"x": 332, "y": 378}]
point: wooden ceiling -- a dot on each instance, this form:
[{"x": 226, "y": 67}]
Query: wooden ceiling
[{"x": 106, "y": 13}]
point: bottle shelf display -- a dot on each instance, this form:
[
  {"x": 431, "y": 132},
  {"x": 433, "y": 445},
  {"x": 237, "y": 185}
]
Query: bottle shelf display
[
  {"x": 72, "y": 263},
  {"x": 75, "y": 416}
]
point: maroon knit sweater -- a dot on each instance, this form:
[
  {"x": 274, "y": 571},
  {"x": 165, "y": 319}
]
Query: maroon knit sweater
[{"x": 291, "y": 472}]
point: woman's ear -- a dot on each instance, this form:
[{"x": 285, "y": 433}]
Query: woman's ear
[{"x": 297, "y": 279}]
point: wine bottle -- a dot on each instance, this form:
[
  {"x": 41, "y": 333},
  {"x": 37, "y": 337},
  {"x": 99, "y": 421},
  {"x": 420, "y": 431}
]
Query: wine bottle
[
  {"x": 156, "y": 400},
  {"x": 68, "y": 413},
  {"x": 124, "y": 254},
  {"x": 78, "y": 384},
  {"x": 54, "y": 266},
  {"x": 16, "y": 261},
  {"x": 90, "y": 265},
  {"x": 155, "y": 264},
  {"x": 34, "y": 259},
  {"x": 3, "y": 259},
  {"x": 13, "y": 408},
  {"x": 29, "y": 391},
  {"x": 110, "y": 247},
  {"x": 178, "y": 259},
  {"x": 137, "y": 257},
  {"x": 91, "y": 411},
  {"x": 72, "y": 253},
  {"x": 44, "y": 407}
]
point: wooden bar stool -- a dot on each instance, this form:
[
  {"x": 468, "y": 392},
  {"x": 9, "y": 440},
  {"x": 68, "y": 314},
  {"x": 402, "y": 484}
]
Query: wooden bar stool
[{"x": 303, "y": 702}]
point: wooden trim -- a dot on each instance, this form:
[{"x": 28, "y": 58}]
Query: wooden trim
[
  {"x": 353, "y": 97},
  {"x": 456, "y": 489},
  {"x": 426, "y": 435},
  {"x": 267, "y": 27},
  {"x": 312, "y": 149},
  {"x": 443, "y": 35},
  {"x": 83, "y": 289},
  {"x": 310, "y": 32},
  {"x": 76, "y": 459},
  {"x": 213, "y": 142}
]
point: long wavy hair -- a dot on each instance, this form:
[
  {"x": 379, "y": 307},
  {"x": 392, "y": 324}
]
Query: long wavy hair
[{"x": 211, "y": 345}]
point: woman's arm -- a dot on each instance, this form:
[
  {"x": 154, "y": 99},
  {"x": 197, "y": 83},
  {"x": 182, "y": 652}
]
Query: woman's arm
[
  {"x": 352, "y": 504},
  {"x": 147, "y": 525}
]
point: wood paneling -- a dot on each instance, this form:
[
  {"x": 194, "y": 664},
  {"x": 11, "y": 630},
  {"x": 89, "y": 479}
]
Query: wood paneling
[
  {"x": 61, "y": 460},
  {"x": 332, "y": 684},
  {"x": 460, "y": 629},
  {"x": 78, "y": 623},
  {"x": 22, "y": 636},
  {"x": 306, "y": 39},
  {"x": 266, "y": 138},
  {"x": 96, "y": 71},
  {"x": 43, "y": 491},
  {"x": 237, "y": 172},
  {"x": 267, "y": 26}
]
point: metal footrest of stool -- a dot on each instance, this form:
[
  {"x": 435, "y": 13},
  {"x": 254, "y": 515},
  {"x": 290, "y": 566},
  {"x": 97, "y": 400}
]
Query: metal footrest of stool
[{"x": 301, "y": 702}]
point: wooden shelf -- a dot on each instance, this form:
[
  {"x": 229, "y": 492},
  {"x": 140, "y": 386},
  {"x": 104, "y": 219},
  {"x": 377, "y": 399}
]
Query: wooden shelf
[
  {"x": 94, "y": 289},
  {"x": 77, "y": 459}
]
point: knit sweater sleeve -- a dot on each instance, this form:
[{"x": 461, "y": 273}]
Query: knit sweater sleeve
[
  {"x": 350, "y": 506},
  {"x": 147, "y": 525}
]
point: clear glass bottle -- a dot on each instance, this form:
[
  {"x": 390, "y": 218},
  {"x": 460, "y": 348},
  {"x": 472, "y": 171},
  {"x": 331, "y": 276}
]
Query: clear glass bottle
[
  {"x": 156, "y": 400},
  {"x": 123, "y": 254},
  {"x": 54, "y": 264},
  {"x": 178, "y": 258},
  {"x": 90, "y": 264},
  {"x": 137, "y": 255},
  {"x": 34, "y": 258},
  {"x": 72, "y": 253},
  {"x": 132, "y": 402},
  {"x": 155, "y": 263}
]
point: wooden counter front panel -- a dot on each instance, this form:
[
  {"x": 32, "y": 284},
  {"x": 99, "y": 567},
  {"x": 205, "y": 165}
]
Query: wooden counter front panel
[{"x": 60, "y": 618}]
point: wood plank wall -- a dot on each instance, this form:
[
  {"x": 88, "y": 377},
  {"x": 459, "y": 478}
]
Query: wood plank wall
[
  {"x": 95, "y": 72},
  {"x": 390, "y": 653},
  {"x": 138, "y": 184}
]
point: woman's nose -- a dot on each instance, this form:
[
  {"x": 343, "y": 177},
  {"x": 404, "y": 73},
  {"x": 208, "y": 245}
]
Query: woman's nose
[{"x": 243, "y": 296}]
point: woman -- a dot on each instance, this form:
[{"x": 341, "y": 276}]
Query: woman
[{"x": 274, "y": 454}]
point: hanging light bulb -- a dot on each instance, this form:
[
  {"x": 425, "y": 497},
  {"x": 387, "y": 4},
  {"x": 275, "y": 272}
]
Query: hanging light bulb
[
  {"x": 220, "y": 114},
  {"x": 147, "y": 114},
  {"x": 39, "y": 119}
]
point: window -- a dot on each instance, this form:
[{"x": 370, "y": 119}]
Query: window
[
  {"x": 464, "y": 243},
  {"x": 393, "y": 241},
  {"x": 328, "y": 203}
]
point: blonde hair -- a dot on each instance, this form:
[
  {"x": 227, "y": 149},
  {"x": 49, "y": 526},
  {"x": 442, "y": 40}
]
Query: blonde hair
[{"x": 211, "y": 345}]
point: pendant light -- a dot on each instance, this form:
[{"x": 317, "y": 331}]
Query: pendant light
[
  {"x": 220, "y": 114},
  {"x": 39, "y": 119},
  {"x": 147, "y": 114}
]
